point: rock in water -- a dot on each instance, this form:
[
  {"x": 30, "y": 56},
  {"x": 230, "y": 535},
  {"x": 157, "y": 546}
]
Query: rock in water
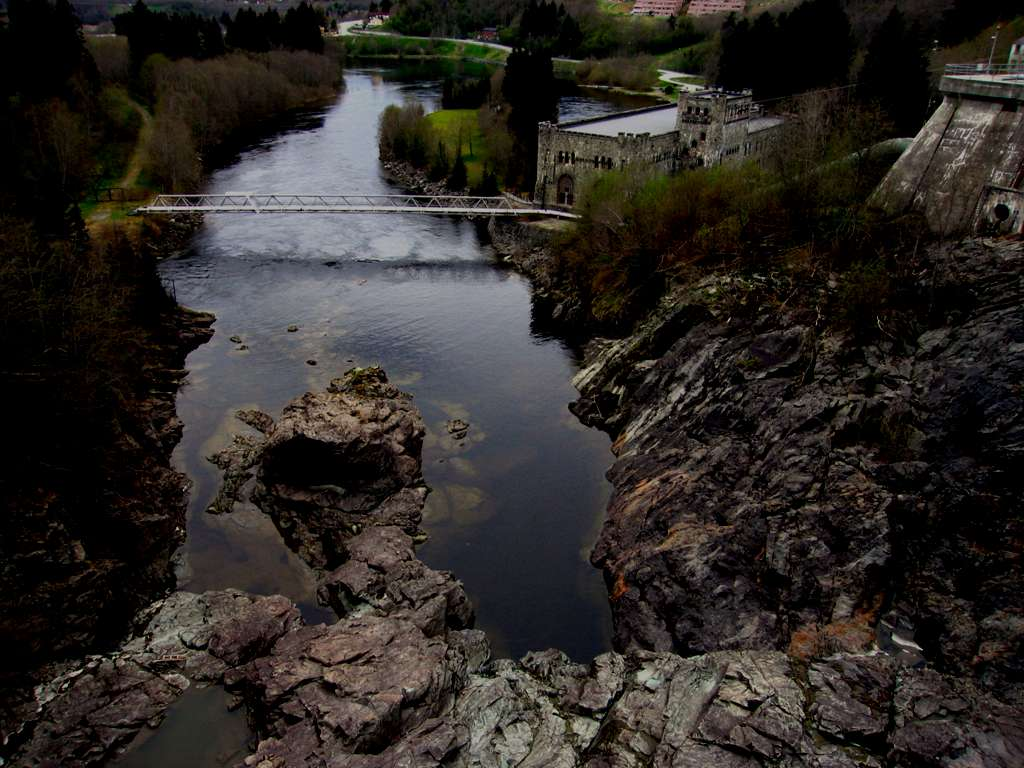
[
  {"x": 457, "y": 428},
  {"x": 383, "y": 576},
  {"x": 341, "y": 460}
]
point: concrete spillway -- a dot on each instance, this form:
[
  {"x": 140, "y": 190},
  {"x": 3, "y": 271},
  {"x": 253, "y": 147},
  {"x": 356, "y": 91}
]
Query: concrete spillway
[{"x": 965, "y": 169}]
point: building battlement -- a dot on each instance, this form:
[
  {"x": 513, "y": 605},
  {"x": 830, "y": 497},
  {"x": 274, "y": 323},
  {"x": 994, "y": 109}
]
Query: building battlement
[{"x": 704, "y": 128}]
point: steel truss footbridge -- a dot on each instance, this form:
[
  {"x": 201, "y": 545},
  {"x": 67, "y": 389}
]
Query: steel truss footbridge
[{"x": 442, "y": 205}]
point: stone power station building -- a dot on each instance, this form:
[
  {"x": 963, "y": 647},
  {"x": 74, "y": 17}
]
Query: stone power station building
[{"x": 705, "y": 128}]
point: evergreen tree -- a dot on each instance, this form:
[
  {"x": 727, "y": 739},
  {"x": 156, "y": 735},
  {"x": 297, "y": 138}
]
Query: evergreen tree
[
  {"x": 530, "y": 90},
  {"x": 809, "y": 48},
  {"x": 895, "y": 74},
  {"x": 488, "y": 184},
  {"x": 45, "y": 53},
  {"x": 439, "y": 167},
  {"x": 817, "y": 44},
  {"x": 300, "y": 30},
  {"x": 51, "y": 84},
  {"x": 735, "y": 67},
  {"x": 966, "y": 18},
  {"x": 457, "y": 180},
  {"x": 176, "y": 35}
]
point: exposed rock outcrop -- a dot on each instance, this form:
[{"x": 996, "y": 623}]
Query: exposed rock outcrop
[
  {"x": 333, "y": 464},
  {"x": 341, "y": 460},
  {"x": 76, "y": 570},
  {"x": 778, "y": 486},
  {"x": 89, "y": 712},
  {"x": 378, "y": 691}
]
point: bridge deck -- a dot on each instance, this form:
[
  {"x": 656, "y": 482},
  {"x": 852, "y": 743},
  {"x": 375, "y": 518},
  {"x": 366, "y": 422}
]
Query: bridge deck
[{"x": 452, "y": 205}]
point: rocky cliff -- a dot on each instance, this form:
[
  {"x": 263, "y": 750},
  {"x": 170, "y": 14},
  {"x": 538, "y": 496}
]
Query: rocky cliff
[
  {"x": 812, "y": 552},
  {"x": 77, "y": 568},
  {"x": 780, "y": 484}
]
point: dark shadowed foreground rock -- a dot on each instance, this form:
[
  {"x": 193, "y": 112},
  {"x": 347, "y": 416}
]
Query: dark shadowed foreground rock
[
  {"x": 379, "y": 691},
  {"x": 780, "y": 486},
  {"x": 79, "y": 563},
  {"x": 93, "y": 709}
]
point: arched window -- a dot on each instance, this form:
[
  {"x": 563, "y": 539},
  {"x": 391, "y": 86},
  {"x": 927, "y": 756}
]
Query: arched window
[{"x": 566, "y": 190}]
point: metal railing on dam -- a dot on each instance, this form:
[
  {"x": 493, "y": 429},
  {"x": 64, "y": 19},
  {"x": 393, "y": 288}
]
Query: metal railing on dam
[
  {"x": 442, "y": 205},
  {"x": 982, "y": 69}
]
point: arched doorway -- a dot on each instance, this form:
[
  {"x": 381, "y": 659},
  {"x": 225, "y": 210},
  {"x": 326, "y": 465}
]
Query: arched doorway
[{"x": 565, "y": 191}]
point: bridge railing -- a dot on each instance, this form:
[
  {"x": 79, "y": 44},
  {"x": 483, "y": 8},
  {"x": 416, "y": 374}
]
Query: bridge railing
[
  {"x": 984, "y": 68},
  {"x": 248, "y": 202},
  {"x": 279, "y": 202}
]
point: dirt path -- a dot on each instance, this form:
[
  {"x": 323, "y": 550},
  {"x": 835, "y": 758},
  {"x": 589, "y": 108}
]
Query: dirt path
[
  {"x": 131, "y": 174},
  {"x": 105, "y": 211}
]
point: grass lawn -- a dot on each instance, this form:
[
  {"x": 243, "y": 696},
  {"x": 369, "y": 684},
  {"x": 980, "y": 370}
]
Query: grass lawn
[
  {"x": 614, "y": 7},
  {"x": 689, "y": 59},
  {"x": 451, "y": 125}
]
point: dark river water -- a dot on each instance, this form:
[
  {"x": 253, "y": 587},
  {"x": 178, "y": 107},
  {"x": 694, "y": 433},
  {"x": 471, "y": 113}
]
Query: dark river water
[{"x": 515, "y": 508}]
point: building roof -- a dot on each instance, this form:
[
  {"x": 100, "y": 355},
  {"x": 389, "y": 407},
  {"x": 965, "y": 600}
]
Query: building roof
[
  {"x": 654, "y": 121},
  {"x": 763, "y": 124}
]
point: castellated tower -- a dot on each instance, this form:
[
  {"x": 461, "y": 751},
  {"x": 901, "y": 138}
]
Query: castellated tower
[{"x": 713, "y": 124}]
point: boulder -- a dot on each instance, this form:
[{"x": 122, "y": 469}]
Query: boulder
[{"x": 382, "y": 575}]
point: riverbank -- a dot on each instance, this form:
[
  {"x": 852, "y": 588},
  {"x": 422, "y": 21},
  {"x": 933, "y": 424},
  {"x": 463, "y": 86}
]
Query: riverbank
[
  {"x": 819, "y": 490},
  {"x": 813, "y": 480},
  {"x": 96, "y": 511},
  {"x": 823, "y": 487},
  {"x": 78, "y": 569},
  {"x": 382, "y": 46},
  {"x": 400, "y": 679}
]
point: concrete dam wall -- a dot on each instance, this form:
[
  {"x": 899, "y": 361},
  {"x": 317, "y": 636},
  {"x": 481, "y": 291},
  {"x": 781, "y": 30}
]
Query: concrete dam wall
[{"x": 965, "y": 169}]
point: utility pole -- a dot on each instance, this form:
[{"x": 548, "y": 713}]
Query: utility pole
[{"x": 992, "y": 51}]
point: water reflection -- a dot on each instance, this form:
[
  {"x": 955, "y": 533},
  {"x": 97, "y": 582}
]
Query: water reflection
[
  {"x": 207, "y": 711},
  {"x": 516, "y": 501}
]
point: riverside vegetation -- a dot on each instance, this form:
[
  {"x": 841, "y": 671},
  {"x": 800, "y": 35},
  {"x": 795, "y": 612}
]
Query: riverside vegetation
[
  {"x": 93, "y": 344},
  {"x": 504, "y": 127},
  {"x": 816, "y": 420}
]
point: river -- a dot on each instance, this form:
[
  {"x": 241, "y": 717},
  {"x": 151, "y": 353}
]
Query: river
[{"x": 516, "y": 506}]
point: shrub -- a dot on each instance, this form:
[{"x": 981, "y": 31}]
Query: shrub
[
  {"x": 402, "y": 134},
  {"x": 636, "y": 73},
  {"x": 200, "y": 105},
  {"x": 636, "y": 233}
]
